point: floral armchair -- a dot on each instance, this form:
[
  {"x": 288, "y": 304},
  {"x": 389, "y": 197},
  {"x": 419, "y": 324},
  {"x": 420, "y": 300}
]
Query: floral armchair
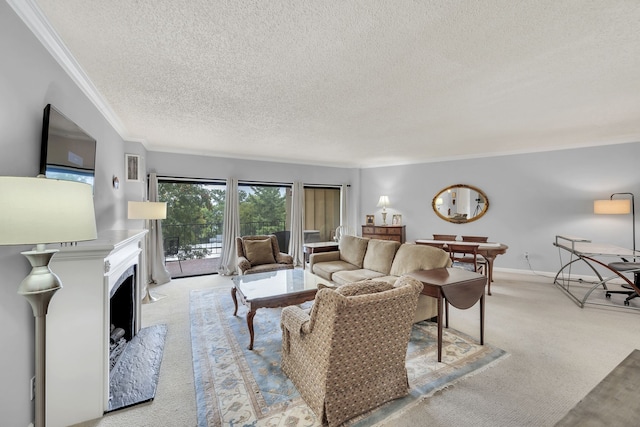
[
  {"x": 258, "y": 254},
  {"x": 347, "y": 355}
]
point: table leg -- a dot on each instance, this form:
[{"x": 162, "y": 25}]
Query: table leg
[
  {"x": 235, "y": 300},
  {"x": 482, "y": 319},
  {"x": 490, "y": 260},
  {"x": 446, "y": 313},
  {"x": 440, "y": 298},
  {"x": 250, "y": 316}
]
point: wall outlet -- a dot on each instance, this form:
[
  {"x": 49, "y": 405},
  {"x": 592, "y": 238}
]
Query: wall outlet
[
  {"x": 526, "y": 256},
  {"x": 32, "y": 388}
]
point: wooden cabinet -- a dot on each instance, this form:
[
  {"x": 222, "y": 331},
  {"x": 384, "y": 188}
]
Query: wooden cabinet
[{"x": 384, "y": 232}]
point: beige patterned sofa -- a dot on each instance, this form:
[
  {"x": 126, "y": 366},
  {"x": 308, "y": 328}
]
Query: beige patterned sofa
[
  {"x": 258, "y": 254},
  {"x": 359, "y": 259},
  {"x": 347, "y": 356}
]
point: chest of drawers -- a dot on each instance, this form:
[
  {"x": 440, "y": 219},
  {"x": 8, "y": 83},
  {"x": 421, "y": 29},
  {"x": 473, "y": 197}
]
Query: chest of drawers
[{"x": 384, "y": 232}]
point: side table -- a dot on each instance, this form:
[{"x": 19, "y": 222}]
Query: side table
[
  {"x": 461, "y": 288},
  {"x": 315, "y": 247}
]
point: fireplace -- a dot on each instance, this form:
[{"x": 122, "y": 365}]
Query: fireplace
[
  {"x": 122, "y": 314},
  {"x": 101, "y": 286}
]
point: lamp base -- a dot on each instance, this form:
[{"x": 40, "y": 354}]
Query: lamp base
[
  {"x": 384, "y": 218},
  {"x": 149, "y": 297}
]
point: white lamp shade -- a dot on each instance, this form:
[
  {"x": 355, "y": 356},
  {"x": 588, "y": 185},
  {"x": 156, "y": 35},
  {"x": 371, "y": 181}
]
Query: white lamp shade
[
  {"x": 618, "y": 206},
  {"x": 147, "y": 210},
  {"x": 383, "y": 201},
  {"x": 42, "y": 210}
]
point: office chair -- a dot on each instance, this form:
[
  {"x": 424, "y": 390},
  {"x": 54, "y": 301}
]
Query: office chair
[{"x": 630, "y": 267}]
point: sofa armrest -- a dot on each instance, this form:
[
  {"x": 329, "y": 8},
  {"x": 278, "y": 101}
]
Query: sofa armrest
[
  {"x": 243, "y": 264},
  {"x": 323, "y": 257},
  {"x": 282, "y": 258}
]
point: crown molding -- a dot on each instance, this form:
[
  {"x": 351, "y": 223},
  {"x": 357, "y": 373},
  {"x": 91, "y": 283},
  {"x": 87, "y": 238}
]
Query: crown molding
[{"x": 35, "y": 20}]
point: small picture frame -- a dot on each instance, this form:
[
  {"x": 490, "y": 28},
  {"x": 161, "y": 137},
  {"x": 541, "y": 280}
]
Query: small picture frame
[
  {"x": 396, "y": 219},
  {"x": 370, "y": 220},
  {"x": 132, "y": 167}
]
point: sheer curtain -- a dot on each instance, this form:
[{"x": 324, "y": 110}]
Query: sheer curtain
[
  {"x": 157, "y": 269},
  {"x": 344, "y": 210},
  {"x": 297, "y": 224},
  {"x": 230, "y": 229}
]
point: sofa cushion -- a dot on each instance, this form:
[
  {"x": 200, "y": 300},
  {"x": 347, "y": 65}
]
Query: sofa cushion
[
  {"x": 349, "y": 276},
  {"x": 363, "y": 288},
  {"x": 411, "y": 257},
  {"x": 326, "y": 269},
  {"x": 352, "y": 249},
  {"x": 379, "y": 255},
  {"x": 259, "y": 251}
]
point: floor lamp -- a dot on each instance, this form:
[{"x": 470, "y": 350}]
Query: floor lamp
[
  {"x": 40, "y": 211},
  {"x": 148, "y": 211},
  {"x": 618, "y": 206}
]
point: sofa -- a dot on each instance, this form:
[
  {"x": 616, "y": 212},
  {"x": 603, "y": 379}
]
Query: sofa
[
  {"x": 359, "y": 258},
  {"x": 259, "y": 254},
  {"x": 347, "y": 356}
]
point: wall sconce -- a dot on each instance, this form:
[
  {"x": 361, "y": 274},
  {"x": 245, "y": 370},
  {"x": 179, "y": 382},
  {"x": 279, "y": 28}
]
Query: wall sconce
[
  {"x": 383, "y": 202},
  {"x": 618, "y": 207},
  {"x": 40, "y": 211}
]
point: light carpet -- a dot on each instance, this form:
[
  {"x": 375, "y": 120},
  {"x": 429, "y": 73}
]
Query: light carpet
[{"x": 237, "y": 386}]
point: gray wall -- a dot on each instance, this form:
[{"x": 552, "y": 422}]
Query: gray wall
[
  {"x": 533, "y": 198},
  {"x": 30, "y": 79}
]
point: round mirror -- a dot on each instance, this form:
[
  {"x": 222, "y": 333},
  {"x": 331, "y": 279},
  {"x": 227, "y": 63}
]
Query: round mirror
[{"x": 460, "y": 203}]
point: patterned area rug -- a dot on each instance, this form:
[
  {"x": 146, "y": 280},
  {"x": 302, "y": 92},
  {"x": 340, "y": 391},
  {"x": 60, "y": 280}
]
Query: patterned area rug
[{"x": 239, "y": 387}]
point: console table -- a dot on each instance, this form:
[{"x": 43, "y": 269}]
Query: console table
[
  {"x": 316, "y": 247},
  {"x": 455, "y": 286},
  {"x": 385, "y": 232}
]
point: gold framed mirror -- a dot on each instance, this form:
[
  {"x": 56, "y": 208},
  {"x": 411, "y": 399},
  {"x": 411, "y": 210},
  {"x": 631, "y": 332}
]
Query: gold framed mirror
[{"x": 460, "y": 203}]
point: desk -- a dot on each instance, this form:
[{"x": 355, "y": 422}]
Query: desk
[
  {"x": 489, "y": 250},
  {"x": 455, "y": 286},
  {"x": 312, "y": 248},
  {"x": 584, "y": 250}
]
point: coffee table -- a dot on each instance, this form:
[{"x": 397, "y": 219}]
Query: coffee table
[{"x": 269, "y": 290}]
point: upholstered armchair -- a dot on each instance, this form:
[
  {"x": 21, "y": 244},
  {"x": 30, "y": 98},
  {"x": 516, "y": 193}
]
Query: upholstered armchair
[
  {"x": 257, "y": 254},
  {"x": 347, "y": 355}
]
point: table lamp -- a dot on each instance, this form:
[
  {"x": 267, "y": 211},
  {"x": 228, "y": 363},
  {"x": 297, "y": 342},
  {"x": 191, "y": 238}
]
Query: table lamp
[
  {"x": 147, "y": 211},
  {"x": 384, "y": 202},
  {"x": 618, "y": 207},
  {"x": 40, "y": 211}
]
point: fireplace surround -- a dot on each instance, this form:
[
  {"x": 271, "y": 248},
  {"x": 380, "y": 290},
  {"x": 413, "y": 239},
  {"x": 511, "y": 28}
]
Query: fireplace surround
[{"x": 79, "y": 322}]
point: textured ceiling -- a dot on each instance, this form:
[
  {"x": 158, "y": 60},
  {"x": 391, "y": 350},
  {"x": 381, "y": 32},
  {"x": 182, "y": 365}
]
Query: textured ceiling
[{"x": 360, "y": 83}]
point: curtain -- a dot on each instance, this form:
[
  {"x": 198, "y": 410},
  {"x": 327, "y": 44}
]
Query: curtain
[
  {"x": 297, "y": 224},
  {"x": 230, "y": 229},
  {"x": 157, "y": 270},
  {"x": 344, "y": 210}
]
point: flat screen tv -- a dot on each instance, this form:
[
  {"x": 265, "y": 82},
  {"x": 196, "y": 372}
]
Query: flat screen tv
[{"x": 67, "y": 151}]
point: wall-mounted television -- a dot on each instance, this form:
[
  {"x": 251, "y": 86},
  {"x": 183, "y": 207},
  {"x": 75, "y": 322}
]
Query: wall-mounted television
[{"x": 67, "y": 151}]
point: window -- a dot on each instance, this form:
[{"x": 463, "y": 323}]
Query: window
[
  {"x": 195, "y": 212},
  {"x": 321, "y": 213}
]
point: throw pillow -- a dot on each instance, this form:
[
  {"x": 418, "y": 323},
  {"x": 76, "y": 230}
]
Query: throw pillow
[
  {"x": 259, "y": 252},
  {"x": 379, "y": 255}
]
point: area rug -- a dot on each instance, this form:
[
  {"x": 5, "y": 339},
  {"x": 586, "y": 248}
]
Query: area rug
[{"x": 240, "y": 387}]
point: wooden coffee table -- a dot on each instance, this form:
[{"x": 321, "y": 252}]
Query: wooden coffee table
[
  {"x": 456, "y": 286},
  {"x": 269, "y": 290}
]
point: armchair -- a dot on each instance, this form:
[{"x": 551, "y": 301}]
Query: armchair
[
  {"x": 347, "y": 355},
  {"x": 258, "y": 254}
]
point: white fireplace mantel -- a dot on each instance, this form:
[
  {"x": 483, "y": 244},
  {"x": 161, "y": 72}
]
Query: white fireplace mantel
[{"x": 77, "y": 382}]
